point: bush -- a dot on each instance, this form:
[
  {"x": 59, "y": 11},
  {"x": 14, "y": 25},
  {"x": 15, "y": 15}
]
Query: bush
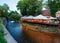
[
  {"x": 2, "y": 39},
  {"x": 1, "y": 21},
  {"x": 52, "y": 30},
  {"x": 41, "y": 28},
  {"x": 15, "y": 17}
]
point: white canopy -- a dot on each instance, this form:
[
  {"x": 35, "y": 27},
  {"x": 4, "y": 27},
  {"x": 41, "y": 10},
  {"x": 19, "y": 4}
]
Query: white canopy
[
  {"x": 24, "y": 17},
  {"x": 40, "y": 17},
  {"x": 30, "y": 16},
  {"x": 27, "y": 17},
  {"x": 52, "y": 18}
]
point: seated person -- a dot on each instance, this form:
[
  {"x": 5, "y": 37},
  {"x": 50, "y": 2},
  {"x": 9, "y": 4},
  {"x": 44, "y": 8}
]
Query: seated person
[
  {"x": 58, "y": 15},
  {"x": 47, "y": 13}
]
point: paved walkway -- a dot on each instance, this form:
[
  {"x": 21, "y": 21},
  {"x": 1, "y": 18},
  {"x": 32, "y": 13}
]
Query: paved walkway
[{"x": 8, "y": 37}]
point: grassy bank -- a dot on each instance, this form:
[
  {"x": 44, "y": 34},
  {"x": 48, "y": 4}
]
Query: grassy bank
[{"x": 2, "y": 39}]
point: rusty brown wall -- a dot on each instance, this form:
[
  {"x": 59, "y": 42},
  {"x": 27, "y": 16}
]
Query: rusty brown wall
[{"x": 41, "y": 37}]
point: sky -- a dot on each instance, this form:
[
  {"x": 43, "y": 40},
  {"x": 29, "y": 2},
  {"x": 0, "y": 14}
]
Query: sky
[{"x": 11, "y": 3}]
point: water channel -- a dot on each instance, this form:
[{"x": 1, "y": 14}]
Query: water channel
[{"x": 17, "y": 32}]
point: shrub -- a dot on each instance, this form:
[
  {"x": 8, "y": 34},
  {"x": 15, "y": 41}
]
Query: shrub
[
  {"x": 52, "y": 30},
  {"x": 15, "y": 17},
  {"x": 41, "y": 28},
  {"x": 2, "y": 39},
  {"x": 1, "y": 21}
]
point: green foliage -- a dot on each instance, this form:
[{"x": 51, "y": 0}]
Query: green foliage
[
  {"x": 30, "y": 7},
  {"x": 54, "y": 6},
  {"x": 52, "y": 30},
  {"x": 2, "y": 39},
  {"x": 13, "y": 12},
  {"x": 1, "y": 28},
  {"x": 14, "y": 16},
  {"x": 41, "y": 28},
  {"x": 4, "y": 10},
  {"x": 1, "y": 21}
]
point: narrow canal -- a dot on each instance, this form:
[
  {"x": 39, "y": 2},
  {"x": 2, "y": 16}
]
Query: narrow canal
[{"x": 16, "y": 31}]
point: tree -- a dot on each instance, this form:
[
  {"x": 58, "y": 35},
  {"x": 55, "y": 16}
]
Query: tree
[
  {"x": 13, "y": 15},
  {"x": 29, "y": 7},
  {"x": 13, "y": 12},
  {"x": 4, "y": 10},
  {"x": 5, "y": 5},
  {"x": 54, "y": 6}
]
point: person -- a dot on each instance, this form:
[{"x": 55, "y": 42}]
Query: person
[
  {"x": 58, "y": 18},
  {"x": 46, "y": 12},
  {"x": 58, "y": 15}
]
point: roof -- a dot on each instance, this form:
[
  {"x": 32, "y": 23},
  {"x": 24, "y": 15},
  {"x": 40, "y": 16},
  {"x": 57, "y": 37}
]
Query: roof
[
  {"x": 24, "y": 17},
  {"x": 30, "y": 16},
  {"x": 52, "y": 18},
  {"x": 40, "y": 17}
]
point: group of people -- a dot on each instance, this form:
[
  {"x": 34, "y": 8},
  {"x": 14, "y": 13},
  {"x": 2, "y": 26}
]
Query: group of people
[{"x": 47, "y": 13}]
